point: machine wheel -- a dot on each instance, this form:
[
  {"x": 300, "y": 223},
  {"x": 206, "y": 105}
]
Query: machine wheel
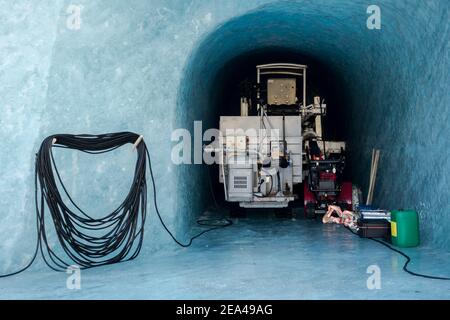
[
  {"x": 310, "y": 211},
  {"x": 283, "y": 213},
  {"x": 236, "y": 211}
]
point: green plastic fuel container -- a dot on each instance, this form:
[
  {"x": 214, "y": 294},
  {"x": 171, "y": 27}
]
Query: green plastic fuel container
[{"x": 405, "y": 228}]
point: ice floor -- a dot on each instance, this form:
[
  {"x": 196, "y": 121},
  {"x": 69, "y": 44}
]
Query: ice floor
[{"x": 256, "y": 258}]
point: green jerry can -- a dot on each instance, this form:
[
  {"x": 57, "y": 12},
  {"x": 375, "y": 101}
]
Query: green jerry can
[{"x": 405, "y": 228}]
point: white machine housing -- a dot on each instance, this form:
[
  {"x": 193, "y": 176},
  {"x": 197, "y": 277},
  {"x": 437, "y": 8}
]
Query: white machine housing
[{"x": 245, "y": 147}]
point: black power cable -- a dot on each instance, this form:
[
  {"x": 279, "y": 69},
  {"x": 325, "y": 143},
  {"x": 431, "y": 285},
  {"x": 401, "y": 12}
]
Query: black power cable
[
  {"x": 202, "y": 222},
  {"x": 88, "y": 241},
  {"x": 408, "y": 259}
]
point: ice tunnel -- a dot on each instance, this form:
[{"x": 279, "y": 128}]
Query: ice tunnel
[
  {"x": 379, "y": 91},
  {"x": 154, "y": 66}
]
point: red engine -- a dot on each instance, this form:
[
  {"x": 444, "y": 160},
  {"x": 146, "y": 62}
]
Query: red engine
[{"x": 325, "y": 185}]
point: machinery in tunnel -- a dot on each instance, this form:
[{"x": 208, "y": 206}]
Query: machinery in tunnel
[
  {"x": 89, "y": 85},
  {"x": 276, "y": 144}
]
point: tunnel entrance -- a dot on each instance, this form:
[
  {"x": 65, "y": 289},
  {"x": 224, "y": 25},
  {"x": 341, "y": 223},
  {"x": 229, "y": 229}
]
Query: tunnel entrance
[
  {"x": 238, "y": 74},
  {"x": 381, "y": 98},
  {"x": 212, "y": 87}
]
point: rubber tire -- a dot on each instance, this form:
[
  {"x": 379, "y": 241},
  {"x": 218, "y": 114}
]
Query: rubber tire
[
  {"x": 283, "y": 213},
  {"x": 237, "y": 212}
]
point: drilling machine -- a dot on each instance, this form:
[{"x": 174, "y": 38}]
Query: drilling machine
[{"x": 276, "y": 144}]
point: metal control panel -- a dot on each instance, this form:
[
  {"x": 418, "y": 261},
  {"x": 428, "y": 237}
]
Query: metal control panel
[{"x": 281, "y": 91}]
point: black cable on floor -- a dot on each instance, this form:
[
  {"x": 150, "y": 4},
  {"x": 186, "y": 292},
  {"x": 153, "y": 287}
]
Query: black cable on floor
[
  {"x": 87, "y": 241},
  {"x": 38, "y": 232},
  {"x": 408, "y": 259},
  {"x": 189, "y": 243}
]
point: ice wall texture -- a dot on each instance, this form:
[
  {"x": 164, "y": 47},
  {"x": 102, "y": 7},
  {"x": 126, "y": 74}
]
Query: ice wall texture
[
  {"x": 151, "y": 66},
  {"x": 27, "y": 34}
]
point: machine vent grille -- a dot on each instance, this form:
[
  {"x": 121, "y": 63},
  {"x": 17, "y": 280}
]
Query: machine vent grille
[{"x": 240, "y": 182}]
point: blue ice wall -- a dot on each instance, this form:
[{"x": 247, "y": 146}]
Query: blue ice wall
[
  {"x": 151, "y": 67},
  {"x": 27, "y": 34}
]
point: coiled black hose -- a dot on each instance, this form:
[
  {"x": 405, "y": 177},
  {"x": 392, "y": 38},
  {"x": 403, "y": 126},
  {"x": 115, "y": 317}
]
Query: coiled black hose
[{"x": 88, "y": 241}]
